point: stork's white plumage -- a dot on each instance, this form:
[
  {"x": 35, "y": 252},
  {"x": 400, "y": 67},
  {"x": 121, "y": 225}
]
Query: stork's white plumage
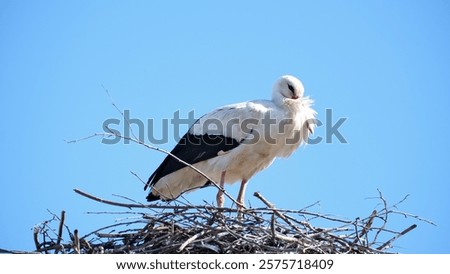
[{"x": 235, "y": 142}]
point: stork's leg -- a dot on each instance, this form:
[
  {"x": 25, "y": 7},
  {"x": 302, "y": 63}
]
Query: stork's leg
[
  {"x": 219, "y": 197},
  {"x": 241, "y": 195}
]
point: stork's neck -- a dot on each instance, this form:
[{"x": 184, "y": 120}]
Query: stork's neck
[{"x": 277, "y": 98}]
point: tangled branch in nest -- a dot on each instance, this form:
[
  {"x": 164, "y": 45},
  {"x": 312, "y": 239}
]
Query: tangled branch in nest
[{"x": 204, "y": 229}]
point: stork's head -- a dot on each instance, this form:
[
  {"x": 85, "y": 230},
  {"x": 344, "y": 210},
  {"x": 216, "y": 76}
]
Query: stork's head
[{"x": 287, "y": 89}]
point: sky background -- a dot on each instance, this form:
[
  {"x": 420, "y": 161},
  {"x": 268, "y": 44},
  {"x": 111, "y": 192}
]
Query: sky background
[{"x": 383, "y": 65}]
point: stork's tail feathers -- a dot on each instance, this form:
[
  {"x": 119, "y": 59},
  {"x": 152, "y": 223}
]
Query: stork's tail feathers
[{"x": 152, "y": 197}]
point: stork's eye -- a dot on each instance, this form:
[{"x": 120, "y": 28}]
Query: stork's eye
[{"x": 291, "y": 88}]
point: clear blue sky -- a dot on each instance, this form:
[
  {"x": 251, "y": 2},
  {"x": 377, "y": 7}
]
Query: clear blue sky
[{"x": 384, "y": 65}]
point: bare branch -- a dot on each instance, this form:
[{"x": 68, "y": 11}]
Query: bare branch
[
  {"x": 61, "y": 226},
  {"x": 76, "y": 241},
  {"x": 278, "y": 213},
  {"x": 413, "y": 216},
  {"x": 36, "y": 238},
  {"x": 386, "y": 244},
  {"x": 120, "y": 112}
]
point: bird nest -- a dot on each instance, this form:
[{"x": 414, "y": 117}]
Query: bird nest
[{"x": 183, "y": 228}]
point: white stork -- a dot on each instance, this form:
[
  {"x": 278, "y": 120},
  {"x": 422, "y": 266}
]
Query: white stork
[{"x": 235, "y": 142}]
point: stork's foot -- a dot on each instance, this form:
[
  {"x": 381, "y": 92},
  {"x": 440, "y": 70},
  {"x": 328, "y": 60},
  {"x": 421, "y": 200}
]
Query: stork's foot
[{"x": 219, "y": 198}]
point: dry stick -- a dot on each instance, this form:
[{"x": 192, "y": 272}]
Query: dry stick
[
  {"x": 407, "y": 214},
  {"x": 315, "y": 215},
  {"x": 386, "y": 213},
  {"x": 53, "y": 247},
  {"x": 36, "y": 238},
  {"x": 92, "y": 197},
  {"x": 181, "y": 161},
  {"x": 174, "y": 245},
  {"x": 87, "y": 195},
  {"x": 86, "y": 244},
  {"x": 279, "y": 214},
  {"x": 118, "y": 110},
  {"x": 401, "y": 201},
  {"x": 106, "y": 227},
  {"x": 16, "y": 251},
  {"x": 287, "y": 238},
  {"x": 130, "y": 206},
  {"x": 228, "y": 209},
  {"x": 397, "y": 236},
  {"x": 129, "y": 199},
  {"x": 61, "y": 226},
  {"x": 367, "y": 227},
  {"x": 76, "y": 241},
  {"x": 190, "y": 240}
]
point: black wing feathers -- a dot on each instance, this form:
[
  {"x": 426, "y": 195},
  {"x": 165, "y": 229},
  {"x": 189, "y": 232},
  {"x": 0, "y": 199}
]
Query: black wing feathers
[{"x": 191, "y": 149}]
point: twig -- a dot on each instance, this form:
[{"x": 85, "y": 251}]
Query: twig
[
  {"x": 366, "y": 227},
  {"x": 139, "y": 178},
  {"x": 401, "y": 201},
  {"x": 190, "y": 240},
  {"x": 385, "y": 219},
  {"x": 286, "y": 238},
  {"x": 186, "y": 228},
  {"x": 61, "y": 226},
  {"x": 2, "y": 251},
  {"x": 141, "y": 142},
  {"x": 278, "y": 213},
  {"x": 129, "y": 206},
  {"x": 36, "y": 237},
  {"x": 397, "y": 236}
]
